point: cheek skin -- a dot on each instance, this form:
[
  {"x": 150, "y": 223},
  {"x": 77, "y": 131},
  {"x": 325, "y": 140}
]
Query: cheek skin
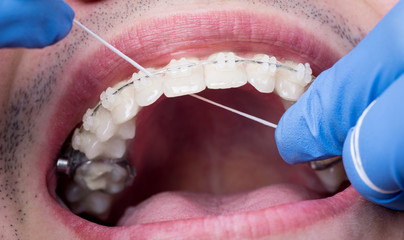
[
  {"x": 24, "y": 94},
  {"x": 9, "y": 61}
]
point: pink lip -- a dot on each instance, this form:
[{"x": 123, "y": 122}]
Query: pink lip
[{"x": 154, "y": 43}]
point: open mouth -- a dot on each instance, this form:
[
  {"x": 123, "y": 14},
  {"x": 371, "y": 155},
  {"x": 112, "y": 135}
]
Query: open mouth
[{"x": 195, "y": 164}]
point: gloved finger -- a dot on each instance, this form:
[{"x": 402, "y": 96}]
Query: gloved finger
[
  {"x": 316, "y": 126},
  {"x": 54, "y": 22},
  {"x": 61, "y": 20},
  {"x": 373, "y": 153},
  {"x": 34, "y": 24}
]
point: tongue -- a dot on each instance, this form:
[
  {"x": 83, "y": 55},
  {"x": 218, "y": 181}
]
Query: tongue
[{"x": 170, "y": 206}]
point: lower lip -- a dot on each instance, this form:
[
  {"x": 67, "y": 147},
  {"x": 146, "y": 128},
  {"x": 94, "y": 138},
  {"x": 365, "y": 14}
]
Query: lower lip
[
  {"x": 239, "y": 31},
  {"x": 272, "y": 221}
]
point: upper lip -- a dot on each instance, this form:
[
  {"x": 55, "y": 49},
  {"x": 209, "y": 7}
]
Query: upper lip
[{"x": 155, "y": 42}]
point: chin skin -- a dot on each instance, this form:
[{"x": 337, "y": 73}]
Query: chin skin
[{"x": 33, "y": 80}]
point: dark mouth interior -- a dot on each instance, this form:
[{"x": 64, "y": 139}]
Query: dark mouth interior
[{"x": 183, "y": 144}]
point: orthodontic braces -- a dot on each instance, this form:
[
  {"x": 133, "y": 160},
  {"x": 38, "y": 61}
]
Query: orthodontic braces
[
  {"x": 72, "y": 159},
  {"x": 163, "y": 71}
]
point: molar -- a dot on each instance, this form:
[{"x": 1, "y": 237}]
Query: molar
[
  {"x": 92, "y": 202},
  {"x": 114, "y": 148},
  {"x": 92, "y": 147},
  {"x": 262, "y": 76},
  {"x": 97, "y": 203},
  {"x": 182, "y": 79},
  {"x": 101, "y": 176},
  {"x": 74, "y": 192},
  {"x": 225, "y": 73}
]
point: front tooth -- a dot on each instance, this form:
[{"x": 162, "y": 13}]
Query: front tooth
[
  {"x": 182, "y": 79},
  {"x": 100, "y": 123},
  {"x": 262, "y": 76},
  {"x": 147, "y": 89},
  {"x": 225, "y": 73},
  {"x": 332, "y": 177}
]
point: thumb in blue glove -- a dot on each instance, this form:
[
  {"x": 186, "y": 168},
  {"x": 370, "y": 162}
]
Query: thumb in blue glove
[
  {"x": 316, "y": 126},
  {"x": 34, "y": 23}
]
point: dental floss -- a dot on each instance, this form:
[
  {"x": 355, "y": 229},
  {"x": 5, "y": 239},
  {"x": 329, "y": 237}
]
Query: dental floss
[
  {"x": 246, "y": 115},
  {"x": 142, "y": 69},
  {"x": 115, "y": 50}
]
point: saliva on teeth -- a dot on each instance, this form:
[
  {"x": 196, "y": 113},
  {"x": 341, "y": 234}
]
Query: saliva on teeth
[{"x": 96, "y": 160}]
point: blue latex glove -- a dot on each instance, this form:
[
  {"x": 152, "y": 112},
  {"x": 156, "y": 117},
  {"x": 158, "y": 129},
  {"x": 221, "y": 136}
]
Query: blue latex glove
[
  {"x": 34, "y": 23},
  {"x": 317, "y": 126}
]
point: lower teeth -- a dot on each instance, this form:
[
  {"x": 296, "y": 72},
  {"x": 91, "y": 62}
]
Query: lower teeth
[
  {"x": 108, "y": 126},
  {"x": 331, "y": 173}
]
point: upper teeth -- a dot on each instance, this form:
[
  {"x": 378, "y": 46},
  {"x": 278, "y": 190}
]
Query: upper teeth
[
  {"x": 225, "y": 73},
  {"x": 262, "y": 76},
  {"x": 181, "y": 79},
  {"x": 106, "y": 127}
]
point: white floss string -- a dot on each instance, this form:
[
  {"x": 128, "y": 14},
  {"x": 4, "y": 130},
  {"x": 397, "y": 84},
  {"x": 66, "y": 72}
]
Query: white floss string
[
  {"x": 135, "y": 64},
  {"x": 142, "y": 69},
  {"x": 246, "y": 115}
]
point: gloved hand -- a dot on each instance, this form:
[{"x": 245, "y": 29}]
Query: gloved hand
[
  {"x": 34, "y": 23},
  {"x": 322, "y": 123}
]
